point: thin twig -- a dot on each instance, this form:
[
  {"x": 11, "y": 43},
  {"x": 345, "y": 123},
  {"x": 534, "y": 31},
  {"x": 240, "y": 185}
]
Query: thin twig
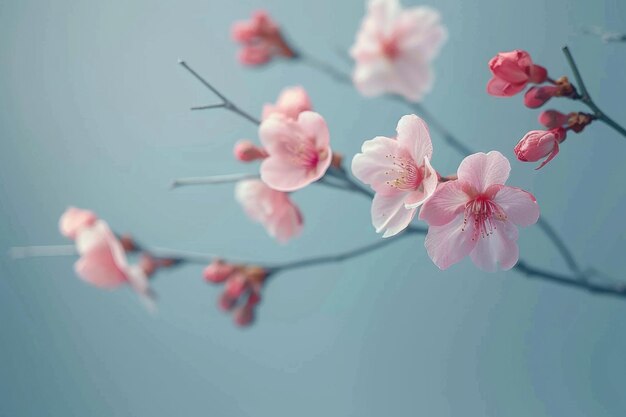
[
  {"x": 226, "y": 103},
  {"x": 212, "y": 180}
]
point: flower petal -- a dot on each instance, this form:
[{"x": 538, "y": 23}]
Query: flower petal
[
  {"x": 313, "y": 125},
  {"x": 373, "y": 164},
  {"x": 390, "y": 215},
  {"x": 501, "y": 88},
  {"x": 482, "y": 170},
  {"x": 445, "y": 205},
  {"x": 413, "y": 135},
  {"x": 555, "y": 151},
  {"x": 448, "y": 244},
  {"x": 519, "y": 206},
  {"x": 500, "y": 247}
]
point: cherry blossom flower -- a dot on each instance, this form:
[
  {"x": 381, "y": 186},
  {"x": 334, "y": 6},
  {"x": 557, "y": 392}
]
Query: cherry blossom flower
[
  {"x": 394, "y": 49},
  {"x": 103, "y": 262},
  {"x": 538, "y": 144},
  {"x": 74, "y": 220},
  {"x": 261, "y": 40},
  {"x": 399, "y": 171},
  {"x": 242, "y": 288},
  {"x": 512, "y": 71},
  {"x": 552, "y": 118},
  {"x": 299, "y": 150},
  {"x": 273, "y": 209},
  {"x": 291, "y": 102},
  {"x": 477, "y": 215}
]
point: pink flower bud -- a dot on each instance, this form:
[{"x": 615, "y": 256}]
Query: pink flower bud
[
  {"x": 254, "y": 55},
  {"x": 226, "y": 302},
  {"x": 246, "y": 151},
  {"x": 538, "y": 96},
  {"x": 261, "y": 40},
  {"x": 218, "y": 271},
  {"x": 236, "y": 285},
  {"x": 552, "y": 119},
  {"x": 538, "y": 144},
  {"x": 244, "y": 315},
  {"x": 512, "y": 71}
]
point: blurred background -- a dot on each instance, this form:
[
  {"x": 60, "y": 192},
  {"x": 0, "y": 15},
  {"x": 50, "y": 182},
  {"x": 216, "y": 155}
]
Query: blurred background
[{"x": 94, "y": 112}]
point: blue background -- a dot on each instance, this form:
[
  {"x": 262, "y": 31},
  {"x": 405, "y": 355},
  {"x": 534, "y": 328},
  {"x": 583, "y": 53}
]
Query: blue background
[{"x": 94, "y": 113}]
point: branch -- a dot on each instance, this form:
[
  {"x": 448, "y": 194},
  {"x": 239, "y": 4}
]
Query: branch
[
  {"x": 586, "y": 98},
  {"x": 226, "y": 103},
  {"x": 463, "y": 150}
]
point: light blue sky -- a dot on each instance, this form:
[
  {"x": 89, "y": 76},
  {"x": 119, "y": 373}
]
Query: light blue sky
[{"x": 94, "y": 113}]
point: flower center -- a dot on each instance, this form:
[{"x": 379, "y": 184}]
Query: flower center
[
  {"x": 304, "y": 153},
  {"x": 485, "y": 214},
  {"x": 389, "y": 47},
  {"x": 405, "y": 174}
]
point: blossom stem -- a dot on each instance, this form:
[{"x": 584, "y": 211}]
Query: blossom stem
[
  {"x": 325, "y": 67},
  {"x": 586, "y": 98},
  {"x": 226, "y": 103},
  {"x": 326, "y": 259},
  {"x": 210, "y": 106},
  {"x": 214, "y": 179}
]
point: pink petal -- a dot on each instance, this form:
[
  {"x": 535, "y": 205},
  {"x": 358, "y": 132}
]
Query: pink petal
[
  {"x": 75, "y": 219},
  {"x": 314, "y": 125},
  {"x": 445, "y": 205},
  {"x": 288, "y": 224},
  {"x": 554, "y": 152},
  {"x": 390, "y": 215},
  {"x": 283, "y": 176},
  {"x": 498, "y": 248},
  {"x": 99, "y": 267},
  {"x": 519, "y": 206},
  {"x": 413, "y": 135},
  {"x": 275, "y": 133},
  {"x": 448, "y": 244},
  {"x": 413, "y": 78},
  {"x": 501, "y": 88},
  {"x": 373, "y": 163},
  {"x": 373, "y": 78},
  {"x": 483, "y": 170}
]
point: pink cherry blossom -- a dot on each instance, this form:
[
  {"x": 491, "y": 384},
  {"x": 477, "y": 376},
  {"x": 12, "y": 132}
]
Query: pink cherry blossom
[
  {"x": 394, "y": 49},
  {"x": 261, "y": 40},
  {"x": 538, "y": 144},
  {"x": 537, "y": 96},
  {"x": 291, "y": 102},
  {"x": 399, "y": 171},
  {"x": 103, "y": 262},
  {"x": 512, "y": 71},
  {"x": 552, "y": 118},
  {"x": 299, "y": 150},
  {"x": 273, "y": 209},
  {"x": 74, "y": 220},
  {"x": 247, "y": 151},
  {"x": 477, "y": 215}
]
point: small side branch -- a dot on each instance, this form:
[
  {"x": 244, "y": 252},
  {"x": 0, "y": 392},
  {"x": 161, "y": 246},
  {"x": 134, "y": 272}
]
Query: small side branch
[{"x": 226, "y": 103}]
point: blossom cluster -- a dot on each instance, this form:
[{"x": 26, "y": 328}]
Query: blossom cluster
[{"x": 512, "y": 72}]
